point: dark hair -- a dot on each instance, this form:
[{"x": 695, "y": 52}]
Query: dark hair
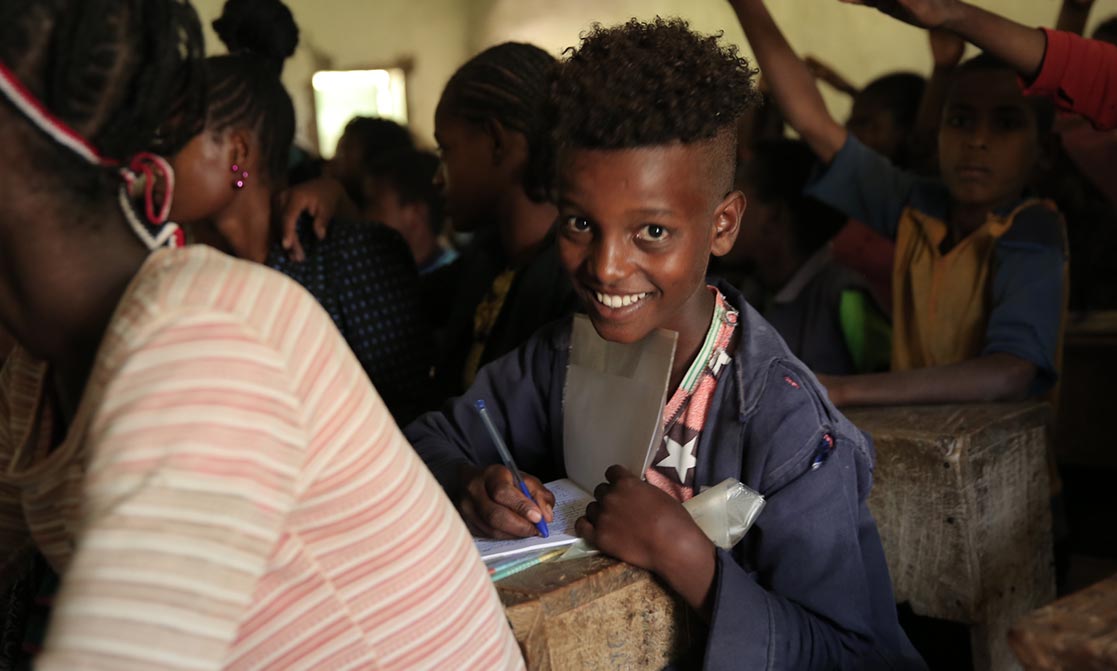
[
  {"x": 508, "y": 83},
  {"x": 1106, "y": 31},
  {"x": 899, "y": 92},
  {"x": 778, "y": 171},
  {"x": 377, "y": 136},
  {"x": 411, "y": 173},
  {"x": 244, "y": 86},
  {"x": 125, "y": 74},
  {"x": 1042, "y": 106},
  {"x": 643, "y": 84}
]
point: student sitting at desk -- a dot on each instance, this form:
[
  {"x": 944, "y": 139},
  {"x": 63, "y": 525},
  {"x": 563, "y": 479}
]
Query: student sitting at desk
[{"x": 646, "y": 116}]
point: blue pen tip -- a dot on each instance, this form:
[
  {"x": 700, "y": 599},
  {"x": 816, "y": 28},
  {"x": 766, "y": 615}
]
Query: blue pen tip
[{"x": 480, "y": 404}]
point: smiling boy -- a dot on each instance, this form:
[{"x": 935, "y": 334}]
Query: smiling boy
[
  {"x": 979, "y": 274},
  {"x": 645, "y": 136}
]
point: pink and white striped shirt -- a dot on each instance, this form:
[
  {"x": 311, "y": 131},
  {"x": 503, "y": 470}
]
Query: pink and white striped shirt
[{"x": 233, "y": 494}]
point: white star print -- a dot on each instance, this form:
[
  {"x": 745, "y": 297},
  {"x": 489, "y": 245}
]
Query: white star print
[{"x": 680, "y": 457}]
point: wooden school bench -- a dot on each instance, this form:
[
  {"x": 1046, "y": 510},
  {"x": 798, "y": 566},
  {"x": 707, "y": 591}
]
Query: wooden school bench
[
  {"x": 960, "y": 494},
  {"x": 1076, "y": 633}
]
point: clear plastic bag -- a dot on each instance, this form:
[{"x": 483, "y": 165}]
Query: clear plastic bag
[{"x": 726, "y": 511}]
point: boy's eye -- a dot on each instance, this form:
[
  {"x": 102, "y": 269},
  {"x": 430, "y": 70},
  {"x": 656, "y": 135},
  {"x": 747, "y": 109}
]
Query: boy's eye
[
  {"x": 576, "y": 224},
  {"x": 956, "y": 120},
  {"x": 652, "y": 232}
]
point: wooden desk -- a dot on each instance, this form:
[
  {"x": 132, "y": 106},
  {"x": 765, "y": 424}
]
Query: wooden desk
[
  {"x": 594, "y": 613},
  {"x": 1076, "y": 633},
  {"x": 961, "y": 495}
]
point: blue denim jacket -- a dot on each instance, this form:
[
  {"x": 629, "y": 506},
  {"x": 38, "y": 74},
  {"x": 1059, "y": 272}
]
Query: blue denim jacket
[{"x": 808, "y": 587}]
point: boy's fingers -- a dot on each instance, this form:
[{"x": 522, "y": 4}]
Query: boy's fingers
[
  {"x": 584, "y": 528},
  {"x": 543, "y": 497},
  {"x": 477, "y": 526},
  {"x": 616, "y": 472},
  {"x": 503, "y": 518},
  {"x": 512, "y": 499}
]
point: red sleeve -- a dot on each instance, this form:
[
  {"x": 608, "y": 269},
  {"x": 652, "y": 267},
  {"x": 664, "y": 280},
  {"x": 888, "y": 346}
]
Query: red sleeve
[{"x": 1081, "y": 75}]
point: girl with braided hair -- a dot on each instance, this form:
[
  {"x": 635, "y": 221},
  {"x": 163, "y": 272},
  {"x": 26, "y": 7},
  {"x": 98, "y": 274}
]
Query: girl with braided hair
[
  {"x": 493, "y": 134},
  {"x": 229, "y": 175},
  {"x": 185, "y": 437}
]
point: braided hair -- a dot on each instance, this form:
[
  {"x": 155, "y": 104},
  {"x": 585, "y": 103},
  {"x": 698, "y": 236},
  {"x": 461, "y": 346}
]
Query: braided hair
[
  {"x": 244, "y": 86},
  {"x": 508, "y": 83},
  {"x": 126, "y": 75}
]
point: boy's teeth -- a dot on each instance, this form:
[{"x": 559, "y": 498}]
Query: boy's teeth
[{"x": 612, "y": 301}]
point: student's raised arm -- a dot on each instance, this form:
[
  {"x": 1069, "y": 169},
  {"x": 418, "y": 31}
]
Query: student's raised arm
[
  {"x": 1016, "y": 44},
  {"x": 793, "y": 86}
]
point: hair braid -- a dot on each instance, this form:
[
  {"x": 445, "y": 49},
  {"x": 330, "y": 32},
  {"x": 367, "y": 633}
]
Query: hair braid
[
  {"x": 116, "y": 71},
  {"x": 508, "y": 83}
]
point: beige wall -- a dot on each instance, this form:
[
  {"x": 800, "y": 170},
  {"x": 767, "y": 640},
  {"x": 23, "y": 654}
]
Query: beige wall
[
  {"x": 345, "y": 34},
  {"x": 438, "y": 35}
]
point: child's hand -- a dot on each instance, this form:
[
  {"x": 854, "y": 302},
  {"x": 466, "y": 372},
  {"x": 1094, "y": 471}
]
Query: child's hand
[
  {"x": 923, "y": 13},
  {"x": 320, "y": 198},
  {"x": 946, "y": 48},
  {"x": 642, "y": 525},
  {"x": 494, "y": 507}
]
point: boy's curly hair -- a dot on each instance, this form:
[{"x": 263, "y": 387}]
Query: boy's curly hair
[{"x": 648, "y": 83}]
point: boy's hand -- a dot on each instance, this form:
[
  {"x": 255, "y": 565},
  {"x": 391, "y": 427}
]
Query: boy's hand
[
  {"x": 320, "y": 198},
  {"x": 947, "y": 48},
  {"x": 493, "y": 507},
  {"x": 642, "y": 525},
  {"x": 923, "y": 13}
]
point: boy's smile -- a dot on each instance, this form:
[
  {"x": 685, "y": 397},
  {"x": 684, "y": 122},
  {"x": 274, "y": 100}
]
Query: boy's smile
[{"x": 635, "y": 232}]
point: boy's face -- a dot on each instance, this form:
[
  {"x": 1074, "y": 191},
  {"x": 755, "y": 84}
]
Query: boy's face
[
  {"x": 988, "y": 142},
  {"x": 636, "y": 229},
  {"x": 875, "y": 126}
]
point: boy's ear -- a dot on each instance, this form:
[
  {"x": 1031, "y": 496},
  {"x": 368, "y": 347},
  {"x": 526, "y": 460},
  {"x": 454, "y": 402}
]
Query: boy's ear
[{"x": 727, "y": 223}]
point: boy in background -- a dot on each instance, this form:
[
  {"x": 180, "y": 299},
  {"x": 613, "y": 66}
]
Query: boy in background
[
  {"x": 823, "y": 310},
  {"x": 645, "y": 136},
  {"x": 399, "y": 192},
  {"x": 979, "y": 278},
  {"x": 1079, "y": 74}
]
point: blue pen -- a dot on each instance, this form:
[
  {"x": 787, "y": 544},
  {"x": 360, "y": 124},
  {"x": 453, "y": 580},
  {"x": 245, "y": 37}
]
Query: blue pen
[{"x": 506, "y": 457}]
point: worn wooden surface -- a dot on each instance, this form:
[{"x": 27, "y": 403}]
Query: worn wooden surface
[
  {"x": 593, "y": 613},
  {"x": 1076, "y": 633},
  {"x": 961, "y": 495}
]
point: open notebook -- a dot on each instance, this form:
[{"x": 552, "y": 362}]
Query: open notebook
[
  {"x": 612, "y": 414},
  {"x": 570, "y": 504}
]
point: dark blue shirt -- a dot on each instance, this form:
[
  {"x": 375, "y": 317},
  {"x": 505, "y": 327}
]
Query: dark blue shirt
[{"x": 363, "y": 274}]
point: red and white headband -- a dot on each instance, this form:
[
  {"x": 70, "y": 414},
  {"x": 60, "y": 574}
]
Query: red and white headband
[{"x": 143, "y": 168}]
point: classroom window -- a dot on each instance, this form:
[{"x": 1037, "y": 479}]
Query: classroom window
[{"x": 340, "y": 95}]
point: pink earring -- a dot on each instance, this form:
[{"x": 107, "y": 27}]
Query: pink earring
[{"x": 241, "y": 179}]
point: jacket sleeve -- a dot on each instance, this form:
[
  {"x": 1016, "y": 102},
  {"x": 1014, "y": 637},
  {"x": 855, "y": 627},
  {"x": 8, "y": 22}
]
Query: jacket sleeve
[
  {"x": 522, "y": 391},
  {"x": 1081, "y": 75},
  {"x": 808, "y": 588}
]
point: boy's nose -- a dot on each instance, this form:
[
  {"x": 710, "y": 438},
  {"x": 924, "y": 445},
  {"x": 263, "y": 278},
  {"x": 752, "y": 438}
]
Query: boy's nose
[
  {"x": 979, "y": 138},
  {"x": 608, "y": 262},
  {"x": 439, "y": 179}
]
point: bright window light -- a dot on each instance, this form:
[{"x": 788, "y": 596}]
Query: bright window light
[{"x": 340, "y": 95}]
